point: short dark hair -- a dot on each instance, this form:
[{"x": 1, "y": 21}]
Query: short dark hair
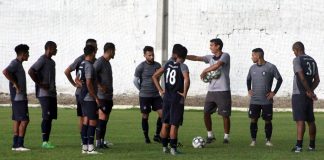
[
  {"x": 259, "y": 50},
  {"x": 180, "y": 51},
  {"x": 88, "y": 49},
  {"x": 49, "y": 44},
  {"x": 299, "y": 46},
  {"x": 90, "y": 40},
  {"x": 217, "y": 41},
  {"x": 21, "y": 48},
  {"x": 109, "y": 46},
  {"x": 148, "y": 48}
]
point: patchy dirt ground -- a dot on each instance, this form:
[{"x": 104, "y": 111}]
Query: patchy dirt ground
[{"x": 238, "y": 101}]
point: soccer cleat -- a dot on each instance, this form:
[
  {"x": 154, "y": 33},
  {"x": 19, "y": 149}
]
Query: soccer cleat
[
  {"x": 93, "y": 152},
  {"x": 22, "y": 149},
  {"x": 311, "y": 148},
  {"x": 296, "y": 149},
  {"x": 84, "y": 149},
  {"x": 174, "y": 151},
  {"x": 13, "y": 148},
  {"x": 157, "y": 138},
  {"x": 147, "y": 140},
  {"x": 253, "y": 143},
  {"x": 108, "y": 143},
  {"x": 225, "y": 141},
  {"x": 210, "y": 139},
  {"x": 269, "y": 144},
  {"x": 47, "y": 145},
  {"x": 165, "y": 150}
]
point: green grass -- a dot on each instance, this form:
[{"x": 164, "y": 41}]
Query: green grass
[{"x": 124, "y": 131}]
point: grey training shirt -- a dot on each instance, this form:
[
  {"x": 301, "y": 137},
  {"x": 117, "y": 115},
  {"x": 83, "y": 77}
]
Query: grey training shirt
[
  {"x": 104, "y": 77},
  {"x": 16, "y": 69}
]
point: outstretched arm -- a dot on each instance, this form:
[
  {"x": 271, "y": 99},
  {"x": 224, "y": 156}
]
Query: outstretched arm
[{"x": 194, "y": 58}]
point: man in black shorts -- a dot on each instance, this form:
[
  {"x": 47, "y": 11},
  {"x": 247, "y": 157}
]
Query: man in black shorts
[
  {"x": 42, "y": 72},
  {"x": 259, "y": 84},
  {"x": 149, "y": 97},
  {"x": 177, "y": 82},
  {"x": 306, "y": 79},
  {"x": 16, "y": 75},
  {"x": 105, "y": 92},
  {"x": 75, "y": 67},
  {"x": 89, "y": 100}
]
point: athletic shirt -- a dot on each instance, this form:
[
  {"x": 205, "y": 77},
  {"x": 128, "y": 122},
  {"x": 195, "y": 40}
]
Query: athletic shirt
[
  {"x": 104, "y": 77},
  {"x": 16, "y": 70},
  {"x": 87, "y": 71},
  {"x": 223, "y": 82},
  {"x": 173, "y": 77},
  {"x": 145, "y": 72},
  {"x": 262, "y": 78},
  {"x": 45, "y": 71},
  {"x": 75, "y": 66},
  {"x": 308, "y": 65}
]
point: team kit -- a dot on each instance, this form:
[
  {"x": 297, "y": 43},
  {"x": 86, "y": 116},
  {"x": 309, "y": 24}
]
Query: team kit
[{"x": 94, "y": 94}]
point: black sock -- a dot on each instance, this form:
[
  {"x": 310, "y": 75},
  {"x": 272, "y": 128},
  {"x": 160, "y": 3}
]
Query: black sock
[
  {"x": 103, "y": 128},
  {"x": 299, "y": 143},
  {"x": 15, "y": 141},
  {"x": 173, "y": 143},
  {"x": 91, "y": 133},
  {"x": 49, "y": 128},
  {"x": 268, "y": 130},
  {"x": 84, "y": 134},
  {"x": 98, "y": 130},
  {"x": 20, "y": 141},
  {"x": 253, "y": 130},
  {"x": 312, "y": 143},
  {"x": 158, "y": 126},
  {"x": 145, "y": 127},
  {"x": 45, "y": 130},
  {"x": 165, "y": 142}
]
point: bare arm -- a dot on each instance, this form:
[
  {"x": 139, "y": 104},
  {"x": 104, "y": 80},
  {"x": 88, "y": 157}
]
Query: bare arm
[
  {"x": 156, "y": 77},
  {"x": 186, "y": 84},
  {"x": 33, "y": 76},
  {"x": 194, "y": 58},
  {"x": 11, "y": 79},
  {"x": 91, "y": 90},
  {"x": 309, "y": 91},
  {"x": 211, "y": 68},
  {"x": 67, "y": 73},
  {"x": 315, "y": 82}
]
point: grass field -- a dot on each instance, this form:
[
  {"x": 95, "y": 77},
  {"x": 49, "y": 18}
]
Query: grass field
[{"x": 124, "y": 131}]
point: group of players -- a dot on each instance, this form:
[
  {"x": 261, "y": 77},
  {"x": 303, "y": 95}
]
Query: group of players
[{"x": 94, "y": 93}]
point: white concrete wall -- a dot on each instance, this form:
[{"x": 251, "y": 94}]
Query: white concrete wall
[{"x": 131, "y": 24}]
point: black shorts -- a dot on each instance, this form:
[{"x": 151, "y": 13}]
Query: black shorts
[
  {"x": 302, "y": 107},
  {"x": 255, "y": 111},
  {"x": 20, "y": 110},
  {"x": 90, "y": 110},
  {"x": 150, "y": 103},
  {"x": 106, "y": 106},
  {"x": 49, "y": 107},
  {"x": 79, "y": 108},
  {"x": 220, "y": 101},
  {"x": 173, "y": 108}
]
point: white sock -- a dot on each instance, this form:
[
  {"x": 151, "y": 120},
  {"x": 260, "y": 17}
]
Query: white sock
[
  {"x": 226, "y": 136},
  {"x": 210, "y": 134}
]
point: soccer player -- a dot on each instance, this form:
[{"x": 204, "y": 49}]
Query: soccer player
[
  {"x": 149, "y": 96},
  {"x": 306, "y": 79},
  {"x": 105, "y": 92},
  {"x": 16, "y": 75},
  {"x": 219, "y": 93},
  {"x": 259, "y": 84},
  {"x": 177, "y": 82},
  {"x": 74, "y": 67},
  {"x": 42, "y": 72},
  {"x": 89, "y": 100}
]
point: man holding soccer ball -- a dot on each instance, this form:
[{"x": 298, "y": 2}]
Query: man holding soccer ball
[{"x": 219, "y": 93}]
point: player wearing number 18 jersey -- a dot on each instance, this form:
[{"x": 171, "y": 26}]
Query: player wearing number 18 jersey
[
  {"x": 177, "y": 82},
  {"x": 306, "y": 79}
]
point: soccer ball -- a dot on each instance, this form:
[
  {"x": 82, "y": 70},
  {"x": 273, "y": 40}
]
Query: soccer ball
[
  {"x": 212, "y": 75},
  {"x": 198, "y": 142}
]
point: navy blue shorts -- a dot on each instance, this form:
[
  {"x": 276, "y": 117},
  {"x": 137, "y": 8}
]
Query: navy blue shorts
[
  {"x": 106, "y": 106},
  {"x": 255, "y": 111},
  {"x": 302, "y": 107},
  {"x": 49, "y": 107},
  {"x": 173, "y": 109},
  {"x": 90, "y": 110},
  {"x": 79, "y": 108},
  {"x": 147, "y": 104},
  {"x": 20, "y": 110}
]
